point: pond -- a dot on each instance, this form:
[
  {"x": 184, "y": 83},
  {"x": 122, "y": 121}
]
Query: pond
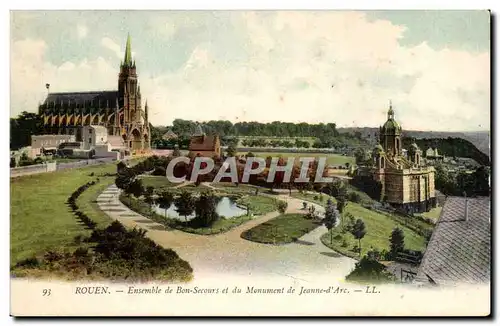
[{"x": 225, "y": 207}]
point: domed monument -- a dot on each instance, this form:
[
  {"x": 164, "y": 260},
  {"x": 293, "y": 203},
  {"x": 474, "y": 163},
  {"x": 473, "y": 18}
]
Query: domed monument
[{"x": 407, "y": 184}]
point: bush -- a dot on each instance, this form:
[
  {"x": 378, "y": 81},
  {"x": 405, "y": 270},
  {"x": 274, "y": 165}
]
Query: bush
[
  {"x": 369, "y": 270},
  {"x": 282, "y": 206},
  {"x": 160, "y": 171},
  {"x": 354, "y": 197}
]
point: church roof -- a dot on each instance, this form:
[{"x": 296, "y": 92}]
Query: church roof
[
  {"x": 94, "y": 98},
  {"x": 127, "y": 61},
  {"x": 460, "y": 246}
]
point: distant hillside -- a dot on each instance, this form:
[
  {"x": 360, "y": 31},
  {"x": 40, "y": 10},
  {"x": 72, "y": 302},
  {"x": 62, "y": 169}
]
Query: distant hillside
[
  {"x": 451, "y": 147},
  {"x": 480, "y": 139}
]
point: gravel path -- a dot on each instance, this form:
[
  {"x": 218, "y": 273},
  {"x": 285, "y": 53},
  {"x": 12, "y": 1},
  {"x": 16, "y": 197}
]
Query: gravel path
[{"x": 229, "y": 253}]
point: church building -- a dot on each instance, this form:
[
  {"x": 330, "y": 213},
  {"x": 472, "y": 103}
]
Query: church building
[
  {"x": 407, "y": 184},
  {"x": 119, "y": 111}
]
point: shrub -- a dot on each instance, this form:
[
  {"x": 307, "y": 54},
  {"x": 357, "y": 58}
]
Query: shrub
[
  {"x": 282, "y": 206},
  {"x": 160, "y": 171},
  {"x": 354, "y": 197},
  {"x": 369, "y": 270}
]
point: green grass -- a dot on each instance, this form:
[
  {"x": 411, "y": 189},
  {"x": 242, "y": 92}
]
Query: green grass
[
  {"x": 280, "y": 230},
  {"x": 259, "y": 205},
  {"x": 316, "y": 198},
  {"x": 310, "y": 140},
  {"x": 331, "y": 159},
  {"x": 378, "y": 226},
  {"x": 158, "y": 182},
  {"x": 40, "y": 220},
  {"x": 87, "y": 202}
]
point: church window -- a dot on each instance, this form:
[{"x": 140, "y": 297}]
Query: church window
[{"x": 90, "y": 140}]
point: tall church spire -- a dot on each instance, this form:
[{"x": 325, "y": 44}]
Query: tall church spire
[{"x": 128, "y": 53}]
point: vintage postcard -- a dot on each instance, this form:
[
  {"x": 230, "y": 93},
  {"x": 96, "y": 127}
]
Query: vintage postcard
[{"x": 250, "y": 163}]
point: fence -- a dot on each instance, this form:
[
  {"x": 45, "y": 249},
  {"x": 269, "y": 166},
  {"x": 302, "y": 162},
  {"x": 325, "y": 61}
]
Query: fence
[
  {"x": 53, "y": 166},
  {"x": 79, "y": 164},
  {"x": 33, "y": 169}
]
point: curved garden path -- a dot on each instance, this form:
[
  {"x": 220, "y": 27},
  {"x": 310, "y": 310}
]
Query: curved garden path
[{"x": 229, "y": 253}]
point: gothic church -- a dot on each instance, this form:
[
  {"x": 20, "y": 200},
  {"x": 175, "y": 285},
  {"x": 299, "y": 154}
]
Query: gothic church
[{"x": 120, "y": 111}]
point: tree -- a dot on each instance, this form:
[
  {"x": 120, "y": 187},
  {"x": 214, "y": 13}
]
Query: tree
[
  {"x": 136, "y": 188},
  {"x": 185, "y": 204},
  {"x": 165, "y": 200},
  {"x": 349, "y": 222},
  {"x": 23, "y": 127},
  {"x": 331, "y": 217},
  {"x": 282, "y": 206},
  {"x": 397, "y": 241},
  {"x": 205, "y": 208},
  {"x": 360, "y": 156},
  {"x": 231, "y": 150},
  {"x": 148, "y": 194},
  {"x": 359, "y": 231},
  {"x": 341, "y": 202}
]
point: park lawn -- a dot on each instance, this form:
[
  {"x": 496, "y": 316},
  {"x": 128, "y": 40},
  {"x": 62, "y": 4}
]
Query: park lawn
[
  {"x": 259, "y": 205},
  {"x": 378, "y": 230},
  {"x": 331, "y": 158},
  {"x": 315, "y": 197},
  {"x": 87, "y": 201},
  {"x": 310, "y": 140},
  {"x": 158, "y": 182},
  {"x": 282, "y": 229},
  {"x": 40, "y": 219}
]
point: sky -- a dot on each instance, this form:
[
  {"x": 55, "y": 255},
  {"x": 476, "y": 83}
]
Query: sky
[{"x": 297, "y": 66}]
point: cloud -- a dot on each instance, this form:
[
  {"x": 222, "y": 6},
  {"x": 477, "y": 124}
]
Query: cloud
[
  {"x": 82, "y": 31},
  {"x": 30, "y": 72},
  {"x": 300, "y": 66}
]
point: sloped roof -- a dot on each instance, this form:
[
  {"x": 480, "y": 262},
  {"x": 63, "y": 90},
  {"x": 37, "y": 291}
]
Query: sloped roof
[
  {"x": 104, "y": 98},
  {"x": 203, "y": 143},
  {"x": 459, "y": 249}
]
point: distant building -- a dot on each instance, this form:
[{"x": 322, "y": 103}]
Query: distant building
[
  {"x": 203, "y": 145},
  {"x": 119, "y": 111},
  {"x": 169, "y": 135},
  {"x": 407, "y": 184},
  {"x": 43, "y": 143},
  {"x": 459, "y": 250},
  {"x": 433, "y": 154}
]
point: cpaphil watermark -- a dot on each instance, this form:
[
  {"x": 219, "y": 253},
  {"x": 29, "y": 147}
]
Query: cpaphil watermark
[{"x": 252, "y": 166}]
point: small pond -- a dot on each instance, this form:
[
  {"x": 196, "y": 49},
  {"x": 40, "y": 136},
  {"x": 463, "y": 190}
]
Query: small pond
[{"x": 225, "y": 207}]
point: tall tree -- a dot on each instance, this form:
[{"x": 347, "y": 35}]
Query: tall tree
[
  {"x": 165, "y": 200},
  {"x": 185, "y": 204},
  {"x": 342, "y": 201},
  {"x": 205, "y": 208},
  {"x": 331, "y": 217},
  {"x": 359, "y": 231},
  {"x": 397, "y": 241},
  {"x": 23, "y": 127}
]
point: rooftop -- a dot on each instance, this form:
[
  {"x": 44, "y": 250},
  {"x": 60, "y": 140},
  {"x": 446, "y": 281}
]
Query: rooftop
[{"x": 459, "y": 249}]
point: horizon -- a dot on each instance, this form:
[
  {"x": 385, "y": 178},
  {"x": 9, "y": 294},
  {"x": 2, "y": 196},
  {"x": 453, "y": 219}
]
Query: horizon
[{"x": 243, "y": 66}]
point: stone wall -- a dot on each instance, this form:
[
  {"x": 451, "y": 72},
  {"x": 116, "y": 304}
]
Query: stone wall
[{"x": 33, "y": 169}]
